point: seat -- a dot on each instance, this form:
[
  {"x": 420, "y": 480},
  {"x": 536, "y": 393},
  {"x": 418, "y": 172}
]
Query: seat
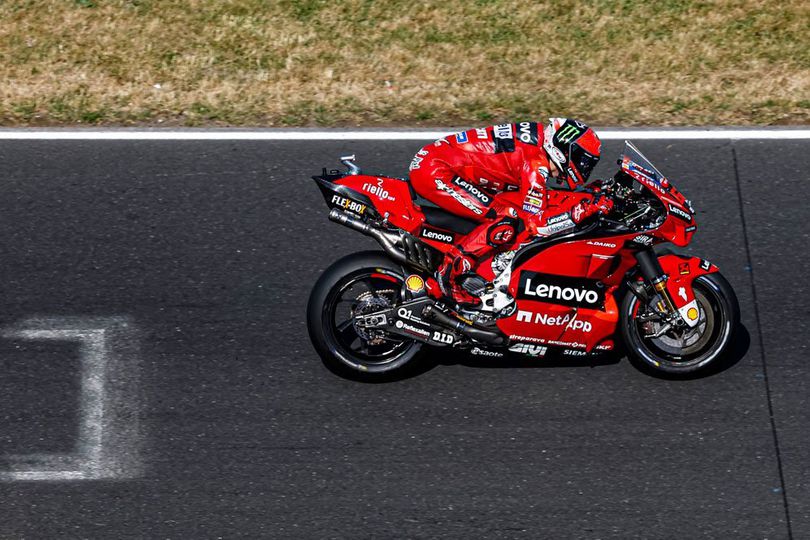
[{"x": 441, "y": 218}]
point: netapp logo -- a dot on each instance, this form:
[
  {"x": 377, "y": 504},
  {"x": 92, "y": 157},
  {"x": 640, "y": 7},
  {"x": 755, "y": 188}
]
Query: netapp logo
[
  {"x": 567, "y": 291},
  {"x": 550, "y": 320},
  {"x": 430, "y": 234}
]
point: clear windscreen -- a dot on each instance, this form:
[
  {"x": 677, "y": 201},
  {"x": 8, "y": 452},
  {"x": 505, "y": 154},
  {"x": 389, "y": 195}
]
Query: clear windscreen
[{"x": 634, "y": 161}]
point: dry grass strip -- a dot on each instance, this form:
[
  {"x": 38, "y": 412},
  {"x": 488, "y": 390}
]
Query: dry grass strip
[{"x": 364, "y": 62}]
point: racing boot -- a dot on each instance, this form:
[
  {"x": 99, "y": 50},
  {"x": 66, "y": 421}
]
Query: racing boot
[
  {"x": 453, "y": 275},
  {"x": 456, "y": 276}
]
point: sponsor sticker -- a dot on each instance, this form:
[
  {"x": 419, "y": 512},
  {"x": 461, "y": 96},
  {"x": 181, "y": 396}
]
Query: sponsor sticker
[
  {"x": 557, "y": 227},
  {"x": 461, "y": 137},
  {"x": 568, "y": 321},
  {"x": 528, "y": 349},
  {"x": 378, "y": 190},
  {"x": 559, "y": 218},
  {"x": 563, "y": 290},
  {"x": 504, "y": 138},
  {"x": 531, "y": 208},
  {"x": 413, "y": 330},
  {"x": 680, "y": 212},
  {"x": 643, "y": 239},
  {"x": 484, "y": 352},
  {"x": 705, "y": 265},
  {"x": 503, "y": 131},
  {"x": 568, "y": 133},
  {"x": 348, "y": 204},
  {"x": 461, "y": 199},
  {"x": 530, "y": 339},
  {"x": 571, "y": 352},
  {"x": 527, "y": 132},
  {"x": 473, "y": 190},
  {"x": 437, "y": 235},
  {"x": 692, "y": 314},
  {"x": 441, "y": 337},
  {"x": 500, "y": 233},
  {"x": 416, "y": 162},
  {"x": 683, "y": 269},
  {"x": 415, "y": 283}
]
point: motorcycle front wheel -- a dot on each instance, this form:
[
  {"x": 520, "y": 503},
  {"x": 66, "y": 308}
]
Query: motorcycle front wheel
[
  {"x": 684, "y": 350},
  {"x": 357, "y": 284}
]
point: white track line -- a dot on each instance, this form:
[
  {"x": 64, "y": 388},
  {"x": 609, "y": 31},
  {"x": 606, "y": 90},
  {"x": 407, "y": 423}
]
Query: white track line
[{"x": 379, "y": 135}]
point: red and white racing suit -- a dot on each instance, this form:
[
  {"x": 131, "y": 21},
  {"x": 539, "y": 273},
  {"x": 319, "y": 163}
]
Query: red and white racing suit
[{"x": 497, "y": 176}]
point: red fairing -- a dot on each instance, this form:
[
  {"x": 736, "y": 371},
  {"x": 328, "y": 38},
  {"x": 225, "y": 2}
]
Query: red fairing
[
  {"x": 680, "y": 223},
  {"x": 682, "y": 271},
  {"x": 565, "y": 294},
  {"x": 390, "y": 196}
]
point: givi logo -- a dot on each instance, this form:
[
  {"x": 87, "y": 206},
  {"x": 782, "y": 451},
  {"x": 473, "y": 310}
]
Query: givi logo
[{"x": 563, "y": 290}]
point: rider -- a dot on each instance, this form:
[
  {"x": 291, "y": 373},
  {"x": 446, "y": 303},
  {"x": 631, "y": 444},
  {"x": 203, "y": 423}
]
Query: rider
[{"x": 510, "y": 178}]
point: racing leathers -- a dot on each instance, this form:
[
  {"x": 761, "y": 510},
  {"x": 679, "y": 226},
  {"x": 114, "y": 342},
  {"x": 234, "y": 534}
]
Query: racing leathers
[{"x": 500, "y": 177}]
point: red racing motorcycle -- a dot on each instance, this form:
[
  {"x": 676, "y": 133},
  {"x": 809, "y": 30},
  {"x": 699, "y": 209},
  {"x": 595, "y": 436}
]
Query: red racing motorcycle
[{"x": 585, "y": 292}]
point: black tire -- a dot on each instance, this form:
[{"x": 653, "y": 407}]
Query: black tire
[
  {"x": 720, "y": 317},
  {"x": 390, "y": 359}
]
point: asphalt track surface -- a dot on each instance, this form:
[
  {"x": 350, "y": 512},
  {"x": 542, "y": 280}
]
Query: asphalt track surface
[{"x": 209, "y": 250}]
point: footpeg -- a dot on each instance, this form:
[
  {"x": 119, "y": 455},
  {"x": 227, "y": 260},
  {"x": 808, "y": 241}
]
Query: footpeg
[{"x": 474, "y": 284}]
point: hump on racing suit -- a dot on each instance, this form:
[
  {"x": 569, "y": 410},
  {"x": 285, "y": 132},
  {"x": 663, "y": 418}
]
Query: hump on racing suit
[{"x": 500, "y": 177}]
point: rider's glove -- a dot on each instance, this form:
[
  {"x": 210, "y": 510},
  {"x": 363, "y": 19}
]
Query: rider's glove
[
  {"x": 533, "y": 222},
  {"x": 603, "y": 203},
  {"x": 598, "y": 204}
]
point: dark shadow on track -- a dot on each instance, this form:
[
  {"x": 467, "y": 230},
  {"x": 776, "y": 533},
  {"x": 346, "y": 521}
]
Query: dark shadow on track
[
  {"x": 742, "y": 342},
  {"x": 551, "y": 360},
  {"x": 432, "y": 358}
]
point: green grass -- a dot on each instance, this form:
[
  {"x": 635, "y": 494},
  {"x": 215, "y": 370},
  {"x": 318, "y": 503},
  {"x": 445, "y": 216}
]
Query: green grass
[{"x": 364, "y": 62}]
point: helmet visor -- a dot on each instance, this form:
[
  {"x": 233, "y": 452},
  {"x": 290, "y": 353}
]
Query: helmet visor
[{"x": 582, "y": 161}]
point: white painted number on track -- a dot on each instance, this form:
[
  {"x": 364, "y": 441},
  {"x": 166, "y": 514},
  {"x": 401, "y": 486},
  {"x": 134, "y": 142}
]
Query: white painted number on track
[{"x": 108, "y": 441}]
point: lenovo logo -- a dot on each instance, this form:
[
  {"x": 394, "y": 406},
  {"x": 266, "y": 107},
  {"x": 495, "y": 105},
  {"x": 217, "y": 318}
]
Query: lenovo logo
[
  {"x": 430, "y": 234},
  {"x": 567, "y": 291},
  {"x": 681, "y": 213}
]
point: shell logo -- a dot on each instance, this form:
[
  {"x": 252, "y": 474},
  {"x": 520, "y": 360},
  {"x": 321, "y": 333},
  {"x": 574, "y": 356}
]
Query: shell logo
[
  {"x": 692, "y": 314},
  {"x": 414, "y": 283}
]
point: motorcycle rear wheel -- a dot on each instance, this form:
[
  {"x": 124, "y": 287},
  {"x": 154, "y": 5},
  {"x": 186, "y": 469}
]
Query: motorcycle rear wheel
[
  {"x": 361, "y": 282},
  {"x": 692, "y": 350}
]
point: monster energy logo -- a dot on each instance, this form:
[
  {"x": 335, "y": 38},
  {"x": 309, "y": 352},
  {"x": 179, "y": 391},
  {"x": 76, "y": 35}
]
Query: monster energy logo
[{"x": 568, "y": 133}]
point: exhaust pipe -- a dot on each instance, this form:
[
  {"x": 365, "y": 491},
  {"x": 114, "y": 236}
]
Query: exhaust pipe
[
  {"x": 384, "y": 239},
  {"x": 479, "y": 334}
]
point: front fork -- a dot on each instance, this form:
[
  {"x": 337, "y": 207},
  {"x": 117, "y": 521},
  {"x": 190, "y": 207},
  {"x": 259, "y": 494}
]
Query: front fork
[{"x": 654, "y": 275}]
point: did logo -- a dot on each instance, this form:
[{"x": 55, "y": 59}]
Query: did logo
[{"x": 563, "y": 290}]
